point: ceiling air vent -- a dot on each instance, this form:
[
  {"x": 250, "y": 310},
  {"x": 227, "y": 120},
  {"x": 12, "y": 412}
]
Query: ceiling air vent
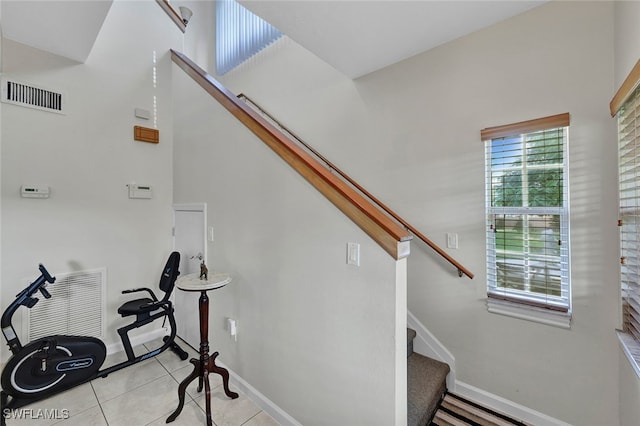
[{"x": 30, "y": 96}]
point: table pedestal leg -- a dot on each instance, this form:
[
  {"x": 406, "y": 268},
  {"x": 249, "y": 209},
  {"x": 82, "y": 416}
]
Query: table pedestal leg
[
  {"x": 203, "y": 366},
  {"x": 182, "y": 389}
]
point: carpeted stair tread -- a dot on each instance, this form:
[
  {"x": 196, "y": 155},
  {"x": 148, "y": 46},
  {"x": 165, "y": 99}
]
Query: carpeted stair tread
[
  {"x": 411, "y": 334},
  {"x": 426, "y": 383}
]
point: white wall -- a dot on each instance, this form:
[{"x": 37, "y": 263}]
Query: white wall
[
  {"x": 553, "y": 59},
  {"x": 410, "y": 134},
  {"x": 88, "y": 156},
  {"x": 627, "y": 34},
  {"x": 627, "y": 53},
  {"x": 325, "y": 341}
]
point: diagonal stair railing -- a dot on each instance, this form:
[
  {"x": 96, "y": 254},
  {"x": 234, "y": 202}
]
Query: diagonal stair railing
[
  {"x": 385, "y": 227},
  {"x": 461, "y": 269},
  {"x": 385, "y": 232}
]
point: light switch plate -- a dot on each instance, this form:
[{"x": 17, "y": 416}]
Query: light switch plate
[
  {"x": 452, "y": 240},
  {"x": 353, "y": 254}
]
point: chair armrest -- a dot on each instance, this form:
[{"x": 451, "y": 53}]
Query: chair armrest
[
  {"x": 158, "y": 304},
  {"x": 135, "y": 290}
]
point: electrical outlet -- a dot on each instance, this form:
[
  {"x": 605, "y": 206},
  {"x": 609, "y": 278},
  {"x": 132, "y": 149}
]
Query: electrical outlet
[{"x": 233, "y": 328}]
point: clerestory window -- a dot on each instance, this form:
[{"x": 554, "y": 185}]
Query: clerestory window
[
  {"x": 240, "y": 34},
  {"x": 527, "y": 217}
]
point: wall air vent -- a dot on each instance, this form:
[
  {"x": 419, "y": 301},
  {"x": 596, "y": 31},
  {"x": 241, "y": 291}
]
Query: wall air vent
[{"x": 30, "y": 96}]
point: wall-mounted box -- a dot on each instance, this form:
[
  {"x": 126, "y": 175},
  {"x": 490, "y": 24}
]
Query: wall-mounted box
[
  {"x": 146, "y": 134},
  {"x": 34, "y": 191},
  {"x": 140, "y": 191},
  {"x": 142, "y": 113}
]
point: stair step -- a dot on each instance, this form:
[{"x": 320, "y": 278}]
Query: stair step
[
  {"x": 426, "y": 385},
  {"x": 467, "y": 412},
  {"x": 445, "y": 419},
  {"x": 411, "y": 334}
]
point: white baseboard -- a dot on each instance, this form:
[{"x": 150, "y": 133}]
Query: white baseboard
[
  {"x": 427, "y": 344},
  {"x": 139, "y": 339},
  {"x": 517, "y": 411},
  {"x": 262, "y": 401}
]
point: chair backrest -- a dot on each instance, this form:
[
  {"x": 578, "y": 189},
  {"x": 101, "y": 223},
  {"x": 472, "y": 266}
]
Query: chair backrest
[{"x": 169, "y": 274}]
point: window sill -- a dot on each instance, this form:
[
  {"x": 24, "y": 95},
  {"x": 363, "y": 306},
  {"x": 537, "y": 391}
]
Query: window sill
[
  {"x": 529, "y": 313},
  {"x": 631, "y": 349}
]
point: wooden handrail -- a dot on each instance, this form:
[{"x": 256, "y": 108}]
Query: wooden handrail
[
  {"x": 461, "y": 269},
  {"x": 387, "y": 233},
  {"x": 173, "y": 14}
]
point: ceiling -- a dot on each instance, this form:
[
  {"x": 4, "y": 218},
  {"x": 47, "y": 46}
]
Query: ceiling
[
  {"x": 355, "y": 37},
  {"x": 66, "y": 28},
  {"x": 361, "y": 36}
]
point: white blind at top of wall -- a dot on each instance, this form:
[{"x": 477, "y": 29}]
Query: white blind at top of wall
[
  {"x": 239, "y": 35},
  {"x": 629, "y": 175}
]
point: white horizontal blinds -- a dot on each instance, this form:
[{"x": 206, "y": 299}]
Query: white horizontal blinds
[
  {"x": 527, "y": 218},
  {"x": 240, "y": 34},
  {"x": 629, "y": 173}
]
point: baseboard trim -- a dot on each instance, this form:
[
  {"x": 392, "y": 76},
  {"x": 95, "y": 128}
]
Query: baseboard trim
[
  {"x": 515, "y": 410},
  {"x": 242, "y": 385},
  {"x": 139, "y": 339},
  {"x": 427, "y": 344},
  {"x": 262, "y": 401}
]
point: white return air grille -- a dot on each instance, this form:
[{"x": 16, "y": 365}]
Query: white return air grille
[
  {"x": 76, "y": 306},
  {"x": 30, "y": 96}
]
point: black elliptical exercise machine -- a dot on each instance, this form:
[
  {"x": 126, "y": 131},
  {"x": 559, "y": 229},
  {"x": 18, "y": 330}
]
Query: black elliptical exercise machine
[{"x": 52, "y": 364}]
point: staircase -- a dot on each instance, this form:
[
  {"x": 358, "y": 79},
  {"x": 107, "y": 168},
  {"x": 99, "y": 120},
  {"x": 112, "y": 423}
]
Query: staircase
[{"x": 426, "y": 384}]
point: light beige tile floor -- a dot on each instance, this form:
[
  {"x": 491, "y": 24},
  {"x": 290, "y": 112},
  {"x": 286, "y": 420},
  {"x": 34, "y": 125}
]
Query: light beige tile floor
[{"x": 143, "y": 394}]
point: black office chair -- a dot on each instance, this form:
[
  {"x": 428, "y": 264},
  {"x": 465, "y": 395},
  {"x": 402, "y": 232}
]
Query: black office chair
[{"x": 148, "y": 309}]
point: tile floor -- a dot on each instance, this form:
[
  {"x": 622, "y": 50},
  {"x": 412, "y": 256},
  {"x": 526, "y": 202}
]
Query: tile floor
[{"x": 143, "y": 394}]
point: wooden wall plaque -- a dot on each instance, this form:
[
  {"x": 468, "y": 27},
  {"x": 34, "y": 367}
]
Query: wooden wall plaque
[{"x": 146, "y": 134}]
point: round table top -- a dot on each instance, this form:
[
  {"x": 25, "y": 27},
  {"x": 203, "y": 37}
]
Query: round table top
[{"x": 192, "y": 282}]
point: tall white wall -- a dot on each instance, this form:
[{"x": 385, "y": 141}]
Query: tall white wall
[
  {"x": 323, "y": 340},
  {"x": 627, "y": 53},
  {"x": 410, "y": 133},
  {"x": 87, "y": 156}
]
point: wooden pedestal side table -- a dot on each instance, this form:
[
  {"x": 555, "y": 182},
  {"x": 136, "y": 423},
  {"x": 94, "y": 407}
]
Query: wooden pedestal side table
[{"x": 207, "y": 363}]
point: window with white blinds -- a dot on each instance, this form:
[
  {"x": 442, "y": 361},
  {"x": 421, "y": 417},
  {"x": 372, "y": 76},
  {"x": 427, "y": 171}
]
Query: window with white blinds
[
  {"x": 240, "y": 34},
  {"x": 527, "y": 214},
  {"x": 629, "y": 220}
]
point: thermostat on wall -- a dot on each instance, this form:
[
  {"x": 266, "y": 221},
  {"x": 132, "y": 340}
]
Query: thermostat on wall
[
  {"x": 140, "y": 191},
  {"x": 34, "y": 191}
]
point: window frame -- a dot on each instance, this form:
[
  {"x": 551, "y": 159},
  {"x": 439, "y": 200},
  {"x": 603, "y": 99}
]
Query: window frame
[
  {"x": 625, "y": 95},
  {"x": 521, "y": 304}
]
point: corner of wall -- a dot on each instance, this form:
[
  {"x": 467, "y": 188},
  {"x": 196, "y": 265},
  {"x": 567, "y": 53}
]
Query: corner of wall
[{"x": 401, "y": 347}]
